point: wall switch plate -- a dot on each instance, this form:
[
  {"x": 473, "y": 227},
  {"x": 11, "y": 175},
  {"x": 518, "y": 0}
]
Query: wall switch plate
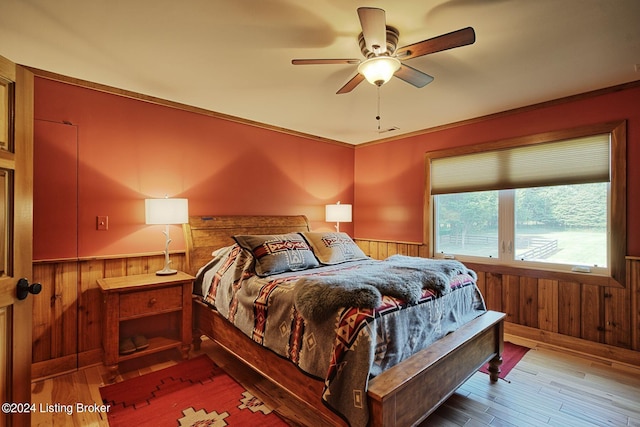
[{"x": 102, "y": 222}]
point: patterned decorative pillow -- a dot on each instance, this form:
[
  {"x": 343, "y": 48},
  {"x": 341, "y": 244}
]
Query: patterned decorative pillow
[
  {"x": 278, "y": 253},
  {"x": 333, "y": 248}
]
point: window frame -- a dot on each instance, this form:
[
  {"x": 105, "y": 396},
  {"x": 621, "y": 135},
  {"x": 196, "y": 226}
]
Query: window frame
[{"x": 617, "y": 202}]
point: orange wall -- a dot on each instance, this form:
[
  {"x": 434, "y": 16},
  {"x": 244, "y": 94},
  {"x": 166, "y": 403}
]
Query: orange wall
[
  {"x": 128, "y": 150},
  {"x": 389, "y": 177}
]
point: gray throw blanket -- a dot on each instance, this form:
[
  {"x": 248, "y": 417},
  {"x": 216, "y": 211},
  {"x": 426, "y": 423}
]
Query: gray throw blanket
[{"x": 399, "y": 276}]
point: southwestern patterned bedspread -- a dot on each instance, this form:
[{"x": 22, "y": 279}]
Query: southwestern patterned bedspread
[{"x": 352, "y": 343}]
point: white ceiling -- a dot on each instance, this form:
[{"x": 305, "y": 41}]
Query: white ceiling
[{"x": 234, "y": 56}]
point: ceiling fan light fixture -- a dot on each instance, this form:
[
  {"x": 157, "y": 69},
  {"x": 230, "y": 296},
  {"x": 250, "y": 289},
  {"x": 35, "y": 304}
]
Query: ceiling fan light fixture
[{"x": 379, "y": 69}]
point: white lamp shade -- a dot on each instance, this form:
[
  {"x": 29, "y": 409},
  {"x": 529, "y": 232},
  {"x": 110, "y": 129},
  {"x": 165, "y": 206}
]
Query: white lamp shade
[
  {"x": 338, "y": 213},
  {"x": 378, "y": 70},
  {"x": 166, "y": 211}
]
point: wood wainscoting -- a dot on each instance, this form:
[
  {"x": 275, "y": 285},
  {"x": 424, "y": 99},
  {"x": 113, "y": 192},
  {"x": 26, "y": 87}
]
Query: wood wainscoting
[
  {"x": 596, "y": 320},
  {"x": 67, "y": 314}
]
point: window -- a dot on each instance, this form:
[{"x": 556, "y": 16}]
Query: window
[{"x": 553, "y": 202}]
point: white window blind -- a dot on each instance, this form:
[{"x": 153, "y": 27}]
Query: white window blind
[{"x": 574, "y": 161}]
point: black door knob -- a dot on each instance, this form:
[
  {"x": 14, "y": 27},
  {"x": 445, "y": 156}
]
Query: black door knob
[{"x": 24, "y": 289}]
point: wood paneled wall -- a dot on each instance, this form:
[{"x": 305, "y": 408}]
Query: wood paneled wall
[
  {"x": 599, "y": 320},
  {"x": 67, "y": 314}
]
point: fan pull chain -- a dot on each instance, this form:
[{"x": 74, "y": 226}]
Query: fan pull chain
[{"x": 378, "y": 116}]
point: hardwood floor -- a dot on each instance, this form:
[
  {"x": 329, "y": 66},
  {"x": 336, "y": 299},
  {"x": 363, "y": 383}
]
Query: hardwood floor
[{"x": 549, "y": 387}]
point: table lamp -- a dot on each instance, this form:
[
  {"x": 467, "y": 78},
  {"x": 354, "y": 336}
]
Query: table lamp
[
  {"x": 338, "y": 213},
  {"x": 166, "y": 211}
]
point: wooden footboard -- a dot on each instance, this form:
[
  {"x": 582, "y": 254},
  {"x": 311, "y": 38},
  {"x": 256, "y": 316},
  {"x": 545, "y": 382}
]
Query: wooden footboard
[
  {"x": 408, "y": 392},
  {"x": 401, "y": 396}
]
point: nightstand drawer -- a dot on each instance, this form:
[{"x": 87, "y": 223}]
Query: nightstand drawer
[{"x": 154, "y": 301}]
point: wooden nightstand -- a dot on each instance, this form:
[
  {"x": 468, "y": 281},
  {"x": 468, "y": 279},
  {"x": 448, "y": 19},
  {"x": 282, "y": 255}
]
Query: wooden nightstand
[{"x": 158, "y": 307}]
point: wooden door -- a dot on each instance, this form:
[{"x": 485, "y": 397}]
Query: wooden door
[{"x": 16, "y": 200}]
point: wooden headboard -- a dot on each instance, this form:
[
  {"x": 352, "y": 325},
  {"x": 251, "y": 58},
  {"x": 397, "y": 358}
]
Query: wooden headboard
[{"x": 204, "y": 234}]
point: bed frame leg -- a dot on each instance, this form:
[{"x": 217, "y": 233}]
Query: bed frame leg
[
  {"x": 494, "y": 368},
  {"x": 197, "y": 340}
]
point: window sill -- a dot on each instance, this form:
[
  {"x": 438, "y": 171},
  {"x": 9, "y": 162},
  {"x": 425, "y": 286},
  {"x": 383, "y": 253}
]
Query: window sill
[{"x": 567, "y": 276}]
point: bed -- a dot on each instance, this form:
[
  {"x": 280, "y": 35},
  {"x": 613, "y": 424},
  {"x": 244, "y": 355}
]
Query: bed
[{"x": 403, "y": 394}]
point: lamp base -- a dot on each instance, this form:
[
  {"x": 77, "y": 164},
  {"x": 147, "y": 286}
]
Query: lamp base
[{"x": 166, "y": 272}]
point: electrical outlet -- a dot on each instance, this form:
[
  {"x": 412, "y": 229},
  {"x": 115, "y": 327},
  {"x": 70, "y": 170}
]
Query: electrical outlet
[{"x": 102, "y": 223}]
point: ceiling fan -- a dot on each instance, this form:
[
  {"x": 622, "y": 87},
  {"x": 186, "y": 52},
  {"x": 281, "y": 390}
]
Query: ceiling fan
[{"x": 383, "y": 60}]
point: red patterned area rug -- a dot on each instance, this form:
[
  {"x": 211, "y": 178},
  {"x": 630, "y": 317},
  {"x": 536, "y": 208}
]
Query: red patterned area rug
[
  {"x": 511, "y": 355},
  {"x": 192, "y": 393}
]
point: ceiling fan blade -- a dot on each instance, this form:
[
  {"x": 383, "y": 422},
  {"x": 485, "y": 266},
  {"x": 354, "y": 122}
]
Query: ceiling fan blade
[
  {"x": 374, "y": 28},
  {"x": 351, "y": 84},
  {"x": 413, "y": 76},
  {"x": 450, "y": 40},
  {"x": 324, "y": 61}
]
